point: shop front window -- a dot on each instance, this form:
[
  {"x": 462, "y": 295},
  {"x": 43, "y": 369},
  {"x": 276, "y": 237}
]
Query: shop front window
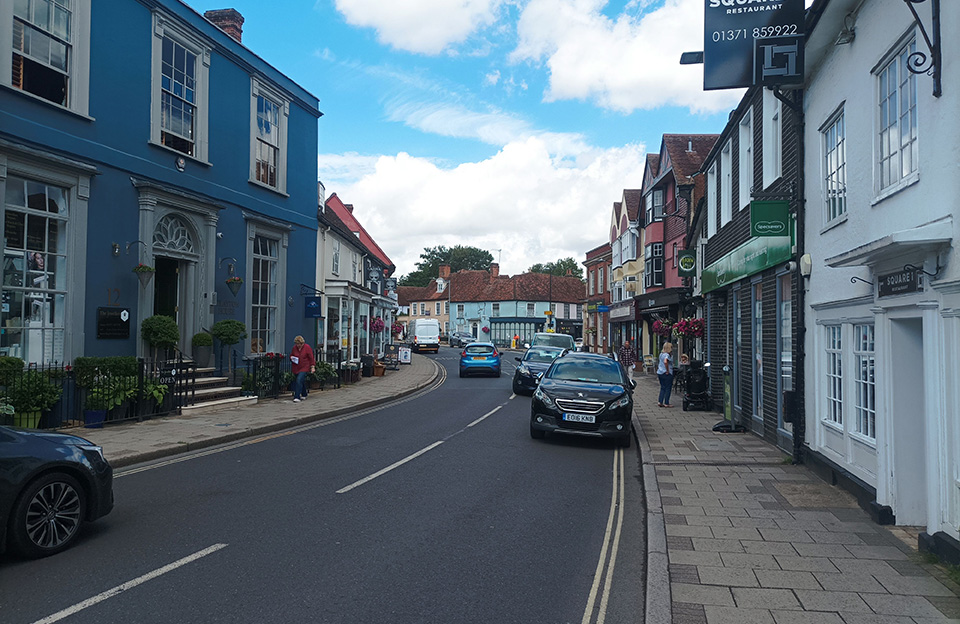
[{"x": 34, "y": 271}]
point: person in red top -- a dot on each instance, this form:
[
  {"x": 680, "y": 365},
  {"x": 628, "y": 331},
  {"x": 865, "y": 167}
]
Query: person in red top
[{"x": 303, "y": 362}]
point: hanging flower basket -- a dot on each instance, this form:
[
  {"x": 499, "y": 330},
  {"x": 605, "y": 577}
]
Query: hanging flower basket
[
  {"x": 234, "y": 284},
  {"x": 377, "y": 325},
  {"x": 662, "y": 328},
  {"x": 690, "y": 327},
  {"x": 144, "y": 273},
  {"x": 485, "y": 329}
]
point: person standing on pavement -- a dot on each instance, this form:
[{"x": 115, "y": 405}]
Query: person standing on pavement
[
  {"x": 303, "y": 362},
  {"x": 665, "y": 374},
  {"x": 627, "y": 358}
]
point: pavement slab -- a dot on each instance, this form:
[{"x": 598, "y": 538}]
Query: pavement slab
[{"x": 787, "y": 547}]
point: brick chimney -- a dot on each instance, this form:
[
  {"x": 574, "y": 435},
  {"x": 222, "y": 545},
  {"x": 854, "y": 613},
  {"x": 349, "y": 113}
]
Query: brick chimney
[
  {"x": 445, "y": 271},
  {"x": 349, "y": 208},
  {"x": 228, "y": 20},
  {"x": 494, "y": 269}
]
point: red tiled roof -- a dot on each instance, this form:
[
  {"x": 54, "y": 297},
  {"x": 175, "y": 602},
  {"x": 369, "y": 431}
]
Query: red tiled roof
[
  {"x": 481, "y": 286},
  {"x": 345, "y": 214},
  {"x": 631, "y": 201},
  {"x": 687, "y": 153}
]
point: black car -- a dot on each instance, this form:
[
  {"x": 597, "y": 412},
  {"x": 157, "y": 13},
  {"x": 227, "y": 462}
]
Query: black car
[
  {"x": 461, "y": 339},
  {"x": 535, "y": 361},
  {"x": 49, "y": 484},
  {"x": 583, "y": 394}
]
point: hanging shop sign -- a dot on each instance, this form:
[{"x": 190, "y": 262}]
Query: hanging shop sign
[
  {"x": 311, "y": 307},
  {"x": 687, "y": 263},
  {"x": 769, "y": 218},
  {"x": 899, "y": 283},
  {"x": 730, "y": 29},
  {"x": 778, "y": 60},
  {"x": 754, "y": 256}
]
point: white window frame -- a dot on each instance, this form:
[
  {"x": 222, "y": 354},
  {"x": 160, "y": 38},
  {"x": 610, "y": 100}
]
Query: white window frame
[
  {"x": 78, "y": 57},
  {"x": 531, "y": 309},
  {"x": 495, "y": 309},
  {"x": 899, "y": 172},
  {"x": 653, "y": 265},
  {"x": 865, "y": 384},
  {"x": 459, "y": 310},
  {"x": 163, "y": 27},
  {"x": 258, "y": 90},
  {"x": 772, "y": 138},
  {"x": 833, "y": 373},
  {"x": 254, "y": 229},
  {"x": 712, "y": 200},
  {"x": 446, "y": 308},
  {"x": 599, "y": 280},
  {"x": 591, "y": 282},
  {"x": 746, "y": 159},
  {"x": 335, "y": 264},
  {"x": 437, "y": 306},
  {"x": 834, "y": 163},
  {"x": 726, "y": 183},
  {"x": 423, "y": 308}
]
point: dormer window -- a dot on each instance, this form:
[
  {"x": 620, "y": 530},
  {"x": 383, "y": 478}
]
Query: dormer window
[{"x": 441, "y": 285}]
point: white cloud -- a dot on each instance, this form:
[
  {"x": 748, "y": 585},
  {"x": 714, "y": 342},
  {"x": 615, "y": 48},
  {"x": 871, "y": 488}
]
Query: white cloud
[
  {"x": 529, "y": 201},
  {"x": 622, "y": 64},
  {"x": 421, "y": 26},
  {"x": 492, "y": 78}
]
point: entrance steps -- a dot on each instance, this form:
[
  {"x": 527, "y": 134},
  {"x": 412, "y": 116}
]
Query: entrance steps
[{"x": 210, "y": 393}]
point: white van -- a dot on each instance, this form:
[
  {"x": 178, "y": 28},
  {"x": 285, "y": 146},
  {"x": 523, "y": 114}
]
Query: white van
[{"x": 425, "y": 335}]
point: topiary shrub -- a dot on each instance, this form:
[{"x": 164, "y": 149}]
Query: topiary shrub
[
  {"x": 229, "y": 331},
  {"x": 160, "y": 331},
  {"x": 203, "y": 339}
]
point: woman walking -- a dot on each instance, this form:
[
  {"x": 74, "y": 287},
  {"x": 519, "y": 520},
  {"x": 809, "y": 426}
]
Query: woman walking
[
  {"x": 303, "y": 362},
  {"x": 665, "y": 374}
]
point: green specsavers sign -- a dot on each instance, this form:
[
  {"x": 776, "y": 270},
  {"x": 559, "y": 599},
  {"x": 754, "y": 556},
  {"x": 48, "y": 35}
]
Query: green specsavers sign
[
  {"x": 769, "y": 218},
  {"x": 752, "y": 257}
]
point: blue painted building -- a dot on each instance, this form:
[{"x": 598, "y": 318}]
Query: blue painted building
[{"x": 139, "y": 132}]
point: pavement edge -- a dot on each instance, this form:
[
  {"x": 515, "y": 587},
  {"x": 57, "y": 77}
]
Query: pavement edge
[
  {"x": 122, "y": 462},
  {"x": 658, "y": 608}
]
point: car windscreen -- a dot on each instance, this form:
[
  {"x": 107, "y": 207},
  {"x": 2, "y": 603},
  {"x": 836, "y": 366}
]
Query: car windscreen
[
  {"x": 480, "y": 350},
  {"x": 534, "y": 354},
  {"x": 565, "y": 342},
  {"x": 594, "y": 371}
]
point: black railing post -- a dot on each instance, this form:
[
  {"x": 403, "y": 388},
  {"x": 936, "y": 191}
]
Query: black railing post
[{"x": 141, "y": 389}]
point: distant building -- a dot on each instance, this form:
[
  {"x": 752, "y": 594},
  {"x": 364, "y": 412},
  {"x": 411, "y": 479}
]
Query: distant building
[{"x": 596, "y": 316}]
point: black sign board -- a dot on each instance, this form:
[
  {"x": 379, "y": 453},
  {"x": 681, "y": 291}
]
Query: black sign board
[
  {"x": 311, "y": 307},
  {"x": 898, "y": 283},
  {"x": 729, "y": 30},
  {"x": 778, "y": 60},
  {"x": 113, "y": 323},
  {"x": 687, "y": 263}
]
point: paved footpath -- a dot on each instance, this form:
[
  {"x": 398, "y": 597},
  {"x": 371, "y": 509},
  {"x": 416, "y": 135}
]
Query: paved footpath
[
  {"x": 738, "y": 535},
  {"x": 130, "y": 443}
]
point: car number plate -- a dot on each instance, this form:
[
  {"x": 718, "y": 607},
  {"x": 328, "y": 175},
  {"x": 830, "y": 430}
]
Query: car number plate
[
  {"x": 584, "y": 418},
  {"x": 480, "y": 358}
]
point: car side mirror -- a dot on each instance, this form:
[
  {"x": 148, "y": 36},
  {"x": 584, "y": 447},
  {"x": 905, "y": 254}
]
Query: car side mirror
[
  {"x": 633, "y": 384},
  {"x": 518, "y": 359},
  {"x": 539, "y": 376}
]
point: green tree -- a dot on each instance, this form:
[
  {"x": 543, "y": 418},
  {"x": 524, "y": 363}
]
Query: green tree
[
  {"x": 560, "y": 267},
  {"x": 459, "y": 258}
]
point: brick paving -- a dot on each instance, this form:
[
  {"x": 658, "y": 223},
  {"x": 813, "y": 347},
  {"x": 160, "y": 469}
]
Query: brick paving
[{"x": 749, "y": 537}]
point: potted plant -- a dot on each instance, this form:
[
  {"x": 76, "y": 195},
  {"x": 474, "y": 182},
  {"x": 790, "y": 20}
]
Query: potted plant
[
  {"x": 202, "y": 349},
  {"x": 107, "y": 393},
  {"x": 31, "y": 394},
  {"x": 229, "y": 332},
  {"x": 322, "y": 372},
  {"x": 234, "y": 282},
  {"x": 160, "y": 332},
  {"x": 144, "y": 273}
]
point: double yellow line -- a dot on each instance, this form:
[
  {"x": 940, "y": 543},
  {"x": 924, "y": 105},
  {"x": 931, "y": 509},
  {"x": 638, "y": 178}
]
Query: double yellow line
[{"x": 608, "y": 553}]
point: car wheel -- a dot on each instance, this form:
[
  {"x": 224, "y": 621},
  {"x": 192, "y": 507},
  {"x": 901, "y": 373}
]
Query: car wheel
[
  {"x": 46, "y": 518},
  {"x": 498, "y": 372},
  {"x": 686, "y": 406},
  {"x": 624, "y": 442},
  {"x": 536, "y": 434},
  {"x": 462, "y": 374}
]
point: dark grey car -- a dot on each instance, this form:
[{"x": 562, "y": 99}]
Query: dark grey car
[{"x": 49, "y": 484}]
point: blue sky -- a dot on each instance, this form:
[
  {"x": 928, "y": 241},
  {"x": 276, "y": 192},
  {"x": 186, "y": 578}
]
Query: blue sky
[{"x": 509, "y": 125}]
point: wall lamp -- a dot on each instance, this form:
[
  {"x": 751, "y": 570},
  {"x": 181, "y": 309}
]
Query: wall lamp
[{"x": 848, "y": 33}]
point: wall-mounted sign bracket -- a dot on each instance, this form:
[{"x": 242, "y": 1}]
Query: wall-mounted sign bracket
[{"x": 920, "y": 62}]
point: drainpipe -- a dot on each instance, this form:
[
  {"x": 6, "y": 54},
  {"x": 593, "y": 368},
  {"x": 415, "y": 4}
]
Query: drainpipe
[{"x": 799, "y": 423}]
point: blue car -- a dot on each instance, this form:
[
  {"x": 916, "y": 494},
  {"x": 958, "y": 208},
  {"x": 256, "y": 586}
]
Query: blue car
[
  {"x": 535, "y": 361},
  {"x": 480, "y": 357}
]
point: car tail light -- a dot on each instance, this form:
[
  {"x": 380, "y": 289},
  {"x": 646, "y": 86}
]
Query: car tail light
[{"x": 463, "y": 353}]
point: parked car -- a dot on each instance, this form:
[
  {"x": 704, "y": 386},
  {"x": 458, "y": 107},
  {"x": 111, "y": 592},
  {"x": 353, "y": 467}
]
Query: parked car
[
  {"x": 583, "y": 394},
  {"x": 461, "y": 339},
  {"x": 480, "y": 357},
  {"x": 49, "y": 484},
  {"x": 579, "y": 344},
  {"x": 550, "y": 339},
  {"x": 535, "y": 361}
]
